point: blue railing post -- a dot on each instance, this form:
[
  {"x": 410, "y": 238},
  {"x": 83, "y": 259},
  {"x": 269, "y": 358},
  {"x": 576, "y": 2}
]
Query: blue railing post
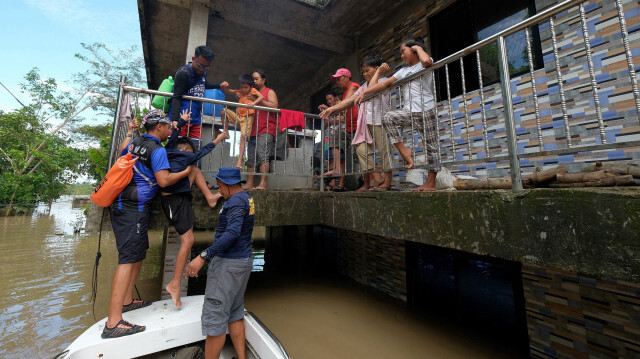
[{"x": 507, "y": 102}]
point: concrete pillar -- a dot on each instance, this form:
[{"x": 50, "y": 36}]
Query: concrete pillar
[{"x": 197, "y": 27}]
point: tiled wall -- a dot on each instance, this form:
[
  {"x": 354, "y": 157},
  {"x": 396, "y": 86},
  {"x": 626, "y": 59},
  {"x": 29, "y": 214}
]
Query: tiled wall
[
  {"x": 616, "y": 97},
  {"x": 373, "y": 261},
  {"x": 570, "y": 315}
]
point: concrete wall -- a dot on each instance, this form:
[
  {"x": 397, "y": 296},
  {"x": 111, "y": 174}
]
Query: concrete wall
[{"x": 592, "y": 231}]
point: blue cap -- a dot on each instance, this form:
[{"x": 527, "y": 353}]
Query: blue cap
[{"x": 228, "y": 175}]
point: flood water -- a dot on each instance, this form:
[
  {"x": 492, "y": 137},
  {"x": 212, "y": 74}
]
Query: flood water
[{"x": 45, "y": 291}]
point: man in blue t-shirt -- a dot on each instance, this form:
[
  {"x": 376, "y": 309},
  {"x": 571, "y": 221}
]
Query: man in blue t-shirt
[
  {"x": 130, "y": 215},
  {"x": 230, "y": 266}
]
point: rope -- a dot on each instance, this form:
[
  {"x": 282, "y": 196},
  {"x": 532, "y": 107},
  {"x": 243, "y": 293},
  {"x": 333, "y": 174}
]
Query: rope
[{"x": 94, "y": 281}]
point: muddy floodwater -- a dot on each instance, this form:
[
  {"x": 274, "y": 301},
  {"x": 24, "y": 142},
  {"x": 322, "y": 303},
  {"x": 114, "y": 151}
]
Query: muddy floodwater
[{"x": 46, "y": 286}]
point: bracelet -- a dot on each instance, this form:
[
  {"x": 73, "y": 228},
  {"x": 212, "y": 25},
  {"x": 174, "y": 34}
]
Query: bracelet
[{"x": 129, "y": 135}]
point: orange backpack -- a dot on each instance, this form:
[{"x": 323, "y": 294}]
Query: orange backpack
[{"x": 114, "y": 181}]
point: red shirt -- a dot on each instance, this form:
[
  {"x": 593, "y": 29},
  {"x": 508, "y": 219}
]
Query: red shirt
[
  {"x": 352, "y": 112},
  {"x": 263, "y": 118}
]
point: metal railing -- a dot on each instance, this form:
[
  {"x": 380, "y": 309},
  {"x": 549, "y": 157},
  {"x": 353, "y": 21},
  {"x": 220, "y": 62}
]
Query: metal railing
[
  {"x": 514, "y": 155},
  {"x": 290, "y": 146},
  {"x": 494, "y": 108}
]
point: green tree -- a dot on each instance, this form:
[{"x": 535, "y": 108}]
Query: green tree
[
  {"x": 98, "y": 156},
  {"x": 36, "y": 157},
  {"x": 106, "y": 65},
  {"x": 105, "y": 68},
  {"x": 35, "y": 165}
]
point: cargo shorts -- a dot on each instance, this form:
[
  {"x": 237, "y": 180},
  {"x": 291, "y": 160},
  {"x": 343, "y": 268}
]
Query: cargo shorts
[{"x": 224, "y": 296}]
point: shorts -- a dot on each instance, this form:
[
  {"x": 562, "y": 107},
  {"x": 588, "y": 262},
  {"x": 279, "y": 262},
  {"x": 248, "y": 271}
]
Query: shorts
[
  {"x": 339, "y": 137},
  {"x": 194, "y": 131},
  {"x": 177, "y": 208},
  {"x": 130, "y": 229},
  {"x": 425, "y": 123},
  {"x": 260, "y": 149},
  {"x": 224, "y": 296},
  {"x": 244, "y": 122},
  {"x": 364, "y": 151},
  {"x": 382, "y": 145}
]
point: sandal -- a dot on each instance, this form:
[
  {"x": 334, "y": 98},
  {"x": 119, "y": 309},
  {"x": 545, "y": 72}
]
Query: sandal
[
  {"x": 121, "y": 329},
  {"x": 136, "y": 304}
]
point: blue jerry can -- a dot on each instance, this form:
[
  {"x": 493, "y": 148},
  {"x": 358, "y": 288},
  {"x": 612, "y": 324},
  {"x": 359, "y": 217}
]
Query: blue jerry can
[{"x": 208, "y": 108}]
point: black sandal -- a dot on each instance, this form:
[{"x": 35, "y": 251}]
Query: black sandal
[
  {"x": 135, "y": 304},
  {"x": 121, "y": 329}
]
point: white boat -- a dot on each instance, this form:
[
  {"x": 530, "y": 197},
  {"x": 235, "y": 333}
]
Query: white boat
[{"x": 169, "y": 328}]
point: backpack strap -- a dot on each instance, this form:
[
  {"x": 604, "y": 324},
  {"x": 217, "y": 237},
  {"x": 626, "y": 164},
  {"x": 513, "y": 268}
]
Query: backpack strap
[{"x": 151, "y": 184}]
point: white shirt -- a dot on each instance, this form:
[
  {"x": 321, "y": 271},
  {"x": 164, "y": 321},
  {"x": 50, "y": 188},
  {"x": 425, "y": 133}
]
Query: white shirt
[{"x": 416, "y": 97}]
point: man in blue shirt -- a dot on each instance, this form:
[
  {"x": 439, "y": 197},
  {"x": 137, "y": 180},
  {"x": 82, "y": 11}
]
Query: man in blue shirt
[
  {"x": 130, "y": 215},
  {"x": 230, "y": 266}
]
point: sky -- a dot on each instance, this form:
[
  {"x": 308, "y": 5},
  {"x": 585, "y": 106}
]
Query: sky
[{"x": 47, "y": 34}]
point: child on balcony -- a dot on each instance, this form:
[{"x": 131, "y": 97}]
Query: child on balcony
[
  {"x": 417, "y": 107},
  {"x": 335, "y": 129},
  {"x": 248, "y": 95}
]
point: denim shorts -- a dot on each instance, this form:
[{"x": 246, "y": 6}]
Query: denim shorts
[{"x": 224, "y": 297}]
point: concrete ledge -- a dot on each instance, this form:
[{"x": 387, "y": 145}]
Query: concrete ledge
[{"x": 591, "y": 231}]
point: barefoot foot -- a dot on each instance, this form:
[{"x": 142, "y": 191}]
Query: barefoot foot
[
  {"x": 406, "y": 156},
  {"x": 174, "y": 290},
  {"x": 213, "y": 199}
]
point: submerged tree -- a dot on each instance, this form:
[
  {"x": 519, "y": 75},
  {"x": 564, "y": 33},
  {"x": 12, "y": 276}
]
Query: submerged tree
[{"x": 37, "y": 158}]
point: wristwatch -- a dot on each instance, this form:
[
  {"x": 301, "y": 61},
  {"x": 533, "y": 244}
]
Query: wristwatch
[{"x": 204, "y": 255}]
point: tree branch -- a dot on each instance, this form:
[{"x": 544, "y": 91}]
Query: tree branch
[{"x": 13, "y": 164}]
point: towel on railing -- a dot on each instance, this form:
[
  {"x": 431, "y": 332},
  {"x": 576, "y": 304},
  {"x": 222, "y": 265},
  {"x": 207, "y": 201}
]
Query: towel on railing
[
  {"x": 291, "y": 119},
  {"x": 125, "y": 109}
]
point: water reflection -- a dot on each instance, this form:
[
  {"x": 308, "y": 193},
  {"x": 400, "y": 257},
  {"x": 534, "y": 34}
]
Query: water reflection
[
  {"x": 46, "y": 279},
  {"x": 258, "y": 259}
]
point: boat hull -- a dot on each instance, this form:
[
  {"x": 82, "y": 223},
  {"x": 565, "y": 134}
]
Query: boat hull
[{"x": 167, "y": 327}]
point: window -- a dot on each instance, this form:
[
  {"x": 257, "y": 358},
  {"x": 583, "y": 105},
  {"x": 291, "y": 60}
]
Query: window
[{"x": 469, "y": 21}]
